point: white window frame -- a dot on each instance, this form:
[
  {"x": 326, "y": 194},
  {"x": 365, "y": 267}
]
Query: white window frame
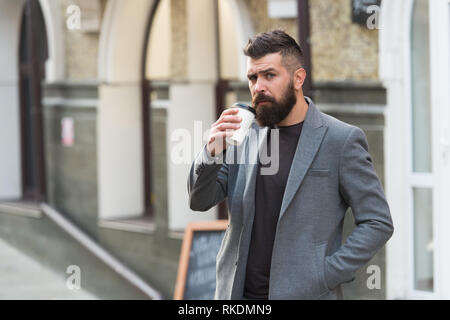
[
  {"x": 438, "y": 179},
  {"x": 395, "y": 72},
  {"x": 440, "y": 101}
]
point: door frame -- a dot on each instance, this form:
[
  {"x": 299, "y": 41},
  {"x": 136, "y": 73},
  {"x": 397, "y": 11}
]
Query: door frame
[
  {"x": 395, "y": 72},
  {"x": 440, "y": 101},
  {"x": 34, "y": 70}
]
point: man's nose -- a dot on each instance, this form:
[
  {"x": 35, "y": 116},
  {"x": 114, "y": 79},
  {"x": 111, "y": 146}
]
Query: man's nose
[{"x": 260, "y": 87}]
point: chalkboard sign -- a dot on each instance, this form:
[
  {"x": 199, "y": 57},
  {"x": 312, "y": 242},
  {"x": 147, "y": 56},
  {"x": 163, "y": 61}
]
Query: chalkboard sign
[
  {"x": 196, "y": 278},
  {"x": 360, "y": 13}
]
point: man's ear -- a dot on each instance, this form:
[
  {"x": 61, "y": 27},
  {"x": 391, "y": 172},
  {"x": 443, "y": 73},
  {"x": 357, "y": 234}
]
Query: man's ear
[{"x": 299, "y": 78}]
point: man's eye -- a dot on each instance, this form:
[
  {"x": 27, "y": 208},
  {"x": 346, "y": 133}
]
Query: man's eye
[
  {"x": 270, "y": 75},
  {"x": 252, "y": 78}
]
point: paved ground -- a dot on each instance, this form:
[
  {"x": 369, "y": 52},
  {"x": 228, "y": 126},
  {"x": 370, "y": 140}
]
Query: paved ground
[{"x": 23, "y": 278}]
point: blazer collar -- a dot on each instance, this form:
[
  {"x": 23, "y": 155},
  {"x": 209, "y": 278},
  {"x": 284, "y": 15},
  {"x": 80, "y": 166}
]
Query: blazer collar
[{"x": 313, "y": 116}]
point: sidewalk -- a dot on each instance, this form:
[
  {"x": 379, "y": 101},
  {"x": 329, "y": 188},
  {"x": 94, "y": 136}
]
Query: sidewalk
[{"x": 23, "y": 278}]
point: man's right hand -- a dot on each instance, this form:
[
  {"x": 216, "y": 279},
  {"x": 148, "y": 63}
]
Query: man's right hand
[{"x": 222, "y": 128}]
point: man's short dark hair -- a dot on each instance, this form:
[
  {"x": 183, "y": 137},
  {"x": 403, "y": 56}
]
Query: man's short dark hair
[{"x": 276, "y": 41}]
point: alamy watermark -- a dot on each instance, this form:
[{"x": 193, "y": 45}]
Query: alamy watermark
[
  {"x": 374, "y": 280},
  {"x": 73, "y": 21},
  {"x": 73, "y": 282},
  {"x": 374, "y": 18}
]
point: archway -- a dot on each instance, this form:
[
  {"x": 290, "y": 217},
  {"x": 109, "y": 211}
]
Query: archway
[
  {"x": 33, "y": 55},
  {"x": 120, "y": 140}
]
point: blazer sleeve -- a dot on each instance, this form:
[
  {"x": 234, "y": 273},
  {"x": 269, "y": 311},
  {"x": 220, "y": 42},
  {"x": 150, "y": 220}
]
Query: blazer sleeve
[
  {"x": 361, "y": 189},
  {"x": 207, "y": 181}
]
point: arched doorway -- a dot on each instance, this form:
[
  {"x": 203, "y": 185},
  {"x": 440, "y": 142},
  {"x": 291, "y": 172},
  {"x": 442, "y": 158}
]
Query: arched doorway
[
  {"x": 121, "y": 191},
  {"x": 33, "y": 54},
  {"x": 191, "y": 99}
]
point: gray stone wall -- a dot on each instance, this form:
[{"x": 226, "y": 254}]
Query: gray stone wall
[{"x": 72, "y": 171}]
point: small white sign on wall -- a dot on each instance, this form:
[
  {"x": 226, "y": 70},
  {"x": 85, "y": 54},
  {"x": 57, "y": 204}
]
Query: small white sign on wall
[
  {"x": 282, "y": 9},
  {"x": 67, "y": 132}
]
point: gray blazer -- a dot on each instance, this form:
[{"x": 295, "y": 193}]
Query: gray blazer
[{"x": 331, "y": 171}]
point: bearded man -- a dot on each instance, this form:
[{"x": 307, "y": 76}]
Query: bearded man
[{"x": 284, "y": 239}]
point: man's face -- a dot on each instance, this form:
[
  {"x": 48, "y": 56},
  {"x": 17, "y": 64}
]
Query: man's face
[{"x": 272, "y": 89}]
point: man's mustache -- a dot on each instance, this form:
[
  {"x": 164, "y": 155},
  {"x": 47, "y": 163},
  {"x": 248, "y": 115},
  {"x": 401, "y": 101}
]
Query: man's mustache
[{"x": 262, "y": 97}]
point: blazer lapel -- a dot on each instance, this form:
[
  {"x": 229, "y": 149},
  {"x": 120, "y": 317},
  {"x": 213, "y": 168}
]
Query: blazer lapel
[{"x": 310, "y": 139}]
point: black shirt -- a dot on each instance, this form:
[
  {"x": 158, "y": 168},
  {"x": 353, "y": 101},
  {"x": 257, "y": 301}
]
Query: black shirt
[{"x": 268, "y": 198}]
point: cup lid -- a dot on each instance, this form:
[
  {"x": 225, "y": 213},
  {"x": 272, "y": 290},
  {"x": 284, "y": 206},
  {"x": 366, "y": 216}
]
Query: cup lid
[{"x": 246, "y": 107}]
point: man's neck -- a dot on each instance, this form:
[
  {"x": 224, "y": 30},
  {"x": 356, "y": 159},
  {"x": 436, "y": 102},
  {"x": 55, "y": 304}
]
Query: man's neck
[{"x": 297, "y": 114}]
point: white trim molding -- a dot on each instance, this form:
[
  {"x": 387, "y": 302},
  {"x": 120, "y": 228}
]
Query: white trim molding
[
  {"x": 119, "y": 119},
  {"x": 55, "y": 65},
  {"x": 393, "y": 37},
  {"x": 440, "y": 101},
  {"x": 10, "y": 161},
  {"x": 122, "y": 39},
  {"x": 10, "y": 28}
]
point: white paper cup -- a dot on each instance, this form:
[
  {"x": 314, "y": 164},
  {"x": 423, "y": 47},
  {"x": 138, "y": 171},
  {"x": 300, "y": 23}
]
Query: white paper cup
[{"x": 247, "y": 114}]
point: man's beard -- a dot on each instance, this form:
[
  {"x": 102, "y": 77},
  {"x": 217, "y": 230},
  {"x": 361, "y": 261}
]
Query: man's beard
[{"x": 274, "y": 112}]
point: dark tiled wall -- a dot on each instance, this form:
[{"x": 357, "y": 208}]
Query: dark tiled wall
[{"x": 72, "y": 171}]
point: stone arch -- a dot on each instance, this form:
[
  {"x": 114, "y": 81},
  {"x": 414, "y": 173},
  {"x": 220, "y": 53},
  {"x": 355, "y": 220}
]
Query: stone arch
[
  {"x": 119, "y": 129},
  {"x": 55, "y": 65},
  {"x": 120, "y": 54},
  {"x": 119, "y": 124}
]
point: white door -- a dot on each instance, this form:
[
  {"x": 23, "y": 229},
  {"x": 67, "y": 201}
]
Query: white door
[
  {"x": 439, "y": 13},
  {"x": 427, "y": 144}
]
